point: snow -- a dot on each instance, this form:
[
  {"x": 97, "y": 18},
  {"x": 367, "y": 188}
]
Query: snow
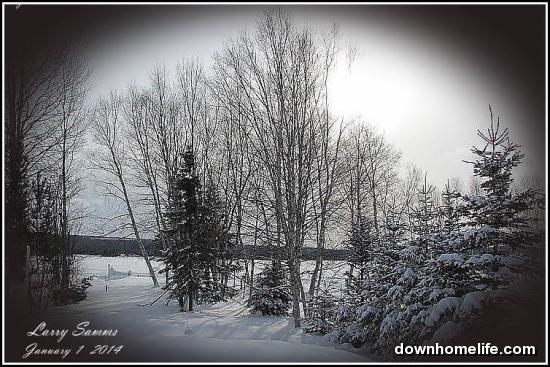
[
  {"x": 504, "y": 273},
  {"x": 438, "y": 292},
  {"x": 388, "y": 324},
  {"x": 479, "y": 233},
  {"x": 450, "y": 258},
  {"x": 408, "y": 274},
  {"x": 444, "y": 306},
  {"x": 447, "y": 331},
  {"x": 213, "y": 333},
  {"x": 512, "y": 261},
  {"x": 410, "y": 253},
  {"x": 395, "y": 292},
  {"x": 98, "y": 265},
  {"x": 456, "y": 306},
  {"x": 483, "y": 259},
  {"x": 472, "y": 301},
  {"x": 477, "y": 200},
  {"x": 469, "y": 234},
  {"x": 487, "y": 258},
  {"x": 364, "y": 312}
]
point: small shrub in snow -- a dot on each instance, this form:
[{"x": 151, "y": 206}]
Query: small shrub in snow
[
  {"x": 321, "y": 316},
  {"x": 73, "y": 294},
  {"x": 271, "y": 295}
]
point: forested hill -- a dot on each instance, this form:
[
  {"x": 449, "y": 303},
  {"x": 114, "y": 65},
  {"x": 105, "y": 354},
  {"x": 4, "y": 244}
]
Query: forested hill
[{"x": 115, "y": 246}]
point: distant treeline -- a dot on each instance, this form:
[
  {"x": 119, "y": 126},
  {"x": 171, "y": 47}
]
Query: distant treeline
[{"x": 113, "y": 246}]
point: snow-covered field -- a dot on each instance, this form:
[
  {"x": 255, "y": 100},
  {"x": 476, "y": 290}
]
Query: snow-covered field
[
  {"x": 333, "y": 271},
  {"x": 159, "y": 332},
  {"x": 98, "y": 265}
]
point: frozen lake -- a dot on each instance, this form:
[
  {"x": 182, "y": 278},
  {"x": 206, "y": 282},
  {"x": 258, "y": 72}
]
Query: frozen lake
[{"x": 333, "y": 271}]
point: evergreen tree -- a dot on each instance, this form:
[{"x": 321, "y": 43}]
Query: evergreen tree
[
  {"x": 416, "y": 289},
  {"x": 497, "y": 213},
  {"x": 180, "y": 255},
  {"x": 271, "y": 295},
  {"x": 322, "y": 311},
  {"x": 424, "y": 213},
  {"x": 451, "y": 209},
  {"x": 394, "y": 223},
  {"x": 200, "y": 248},
  {"x": 215, "y": 249},
  {"x": 360, "y": 242}
]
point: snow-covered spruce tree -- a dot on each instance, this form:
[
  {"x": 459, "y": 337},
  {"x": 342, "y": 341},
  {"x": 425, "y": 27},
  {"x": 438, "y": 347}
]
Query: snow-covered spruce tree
[
  {"x": 475, "y": 263},
  {"x": 322, "y": 311},
  {"x": 181, "y": 213},
  {"x": 199, "y": 247},
  {"x": 360, "y": 312},
  {"x": 496, "y": 214},
  {"x": 271, "y": 295},
  {"x": 425, "y": 213},
  {"x": 394, "y": 223},
  {"x": 368, "y": 315},
  {"x": 426, "y": 289},
  {"x": 398, "y": 291},
  {"x": 326, "y": 314},
  {"x": 360, "y": 242},
  {"x": 451, "y": 209},
  {"x": 429, "y": 288},
  {"x": 215, "y": 244}
]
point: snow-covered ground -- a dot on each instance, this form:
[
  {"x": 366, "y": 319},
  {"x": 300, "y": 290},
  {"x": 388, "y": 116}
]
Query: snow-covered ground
[
  {"x": 159, "y": 332},
  {"x": 98, "y": 265},
  {"x": 333, "y": 271}
]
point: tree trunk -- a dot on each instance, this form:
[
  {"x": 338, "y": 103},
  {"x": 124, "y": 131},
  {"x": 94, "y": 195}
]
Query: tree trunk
[
  {"x": 319, "y": 260},
  {"x": 303, "y": 296},
  {"x": 148, "y": 262},
  {"x": 190, "y": 296},
  {"x": 251, "y": 285},
  {"x": 295, "y": 291},
  {"x": 319, "y": 278},
  {"x": 134, "y": 225}
]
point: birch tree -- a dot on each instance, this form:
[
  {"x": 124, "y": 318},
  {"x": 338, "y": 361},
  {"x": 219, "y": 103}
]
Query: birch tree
[
  {"x": 328, "y": 172},
  {"x": 278, "y": 70},
  {"x": 109, "y": 157}
]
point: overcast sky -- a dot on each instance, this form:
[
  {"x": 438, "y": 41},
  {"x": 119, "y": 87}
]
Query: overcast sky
[{"x": 424, "y": 76}]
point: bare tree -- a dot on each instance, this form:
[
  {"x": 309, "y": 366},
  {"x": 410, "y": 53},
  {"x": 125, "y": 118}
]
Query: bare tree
[
  {"x": 145, "y": 166},
  {"x": 355, "y": 160},
  {"x": 45, "y": 114},
  {"x": 408, "y": 188},
  {"x": 33, "y": 96},
  {"x": 109, "y": 156},
  {"x": 71, "y": 126},
  {"x": 328, "y": 170},
  {"x": 279, "y": 72},
  {"x": 238, "y": 161},
  {"x": 372, "y": 168},
  {"x": 382, "y": 160}
]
